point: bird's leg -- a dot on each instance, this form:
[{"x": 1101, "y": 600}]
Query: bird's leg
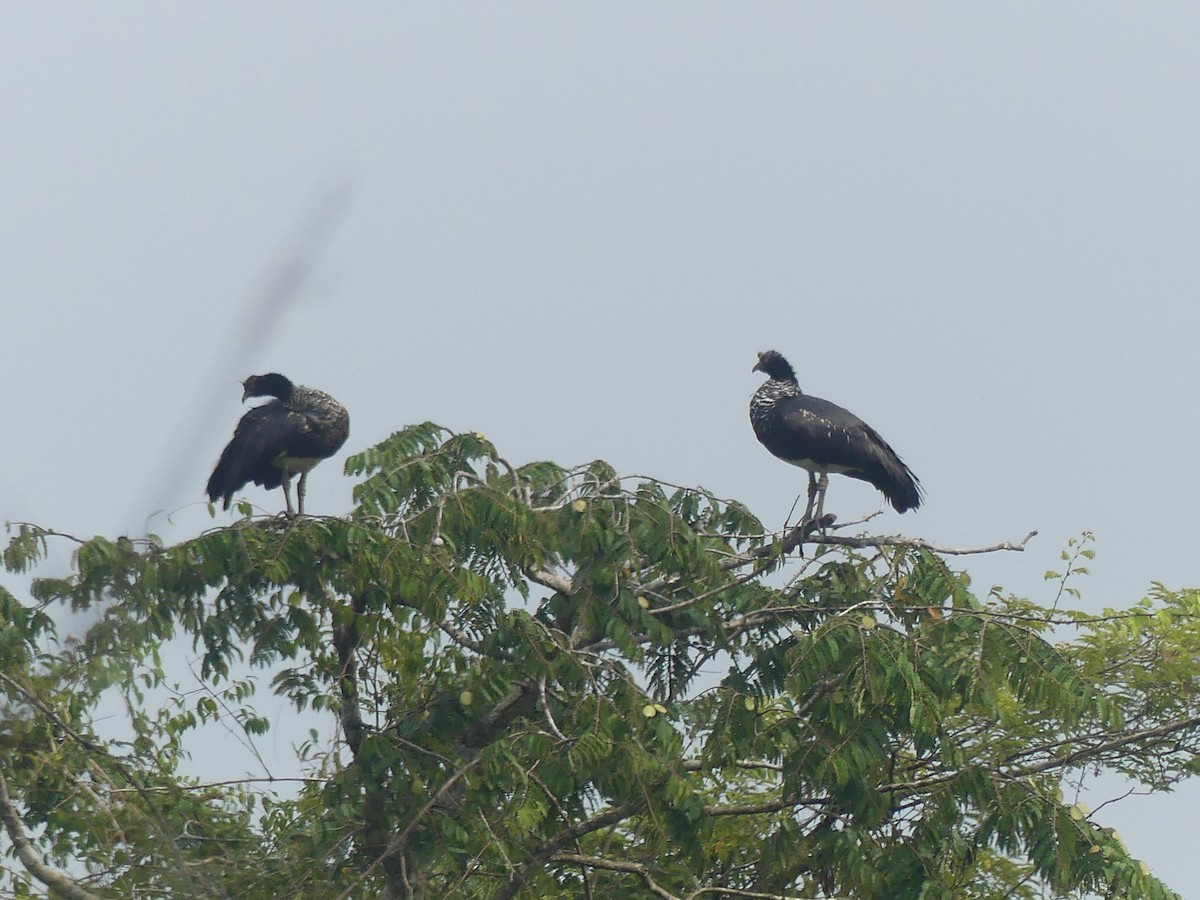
[
  {"x": 287, "y": 492},
  {"x": 822, "y": 484},
  {"x": 301, "y": 489},
  {"x": 812, "y": 496}
]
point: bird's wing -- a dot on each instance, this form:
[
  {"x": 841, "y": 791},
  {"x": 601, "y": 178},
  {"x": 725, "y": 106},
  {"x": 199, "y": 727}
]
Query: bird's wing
[
  {"x": 809, "y": 428},
  {"x": 832, "y": 438},
  {"x": 282, "y": 433},
  {"x": 264, "y": 435}
]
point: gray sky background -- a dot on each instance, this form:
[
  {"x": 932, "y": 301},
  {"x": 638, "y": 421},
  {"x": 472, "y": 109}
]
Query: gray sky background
[{"x": 572, "y": 227}]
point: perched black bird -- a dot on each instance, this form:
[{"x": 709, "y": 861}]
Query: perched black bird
[
  {"x": 822, "y": 437},
  {"x": 277, "y": 440}
]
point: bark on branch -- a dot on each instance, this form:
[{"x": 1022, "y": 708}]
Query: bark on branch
[
  {"x": 542, "y": 854},
  {"x": 809, "y": 531},
  {"x": 56, "y": 880},
  {"x": 643, "y": 872},
  {"x": 920, "y": 544},
  {"x": 614, "y": 865},
  {"x": 375, "y": 839}
]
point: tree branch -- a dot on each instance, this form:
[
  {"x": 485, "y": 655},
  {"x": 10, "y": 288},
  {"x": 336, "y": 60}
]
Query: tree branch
[
  {"x": 919, "y": 544},
  {"x": 613, "y": 865},
  {"x": 395, "y": 847},
  {"x": 698, "y": 765},
  {"x": 735, "y": 892},
  {"x": 150, "y": 811},
  {"x": 643, "y": 872},
  {"x": 1086, "y": 753},
  {"x": 553, "y": 580},
  {"x": 346, "y": 639},
  {"x": 542, "y": 854},
  {"x": 1059, "y": 762},
  {"x": 56, "y": 880},
  {"x": 809, "y": 531},
  {"x": 519, "y": 701},
  {"x": 761, "y": 809}
]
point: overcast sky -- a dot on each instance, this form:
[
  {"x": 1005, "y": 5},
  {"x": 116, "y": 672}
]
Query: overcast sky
[{"x": 573, "y": 227}]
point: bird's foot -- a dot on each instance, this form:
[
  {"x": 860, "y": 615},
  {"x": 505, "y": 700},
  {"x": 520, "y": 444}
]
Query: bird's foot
[
  {"x": 810, "y": 525},
  {"x": 816, "y": 521}
]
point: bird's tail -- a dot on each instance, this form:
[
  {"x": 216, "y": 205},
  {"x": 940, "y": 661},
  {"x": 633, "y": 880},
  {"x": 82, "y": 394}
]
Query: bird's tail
[
  {"x": 222, "y": 482},
  {"x": 900, "y": 485},
  {"x": 892, "y": 477}
]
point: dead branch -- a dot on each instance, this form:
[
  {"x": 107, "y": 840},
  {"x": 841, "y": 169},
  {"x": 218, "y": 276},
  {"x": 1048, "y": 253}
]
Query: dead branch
[
  {"x": 919, "y": 544},
  {"x": 811, "y": 531}
]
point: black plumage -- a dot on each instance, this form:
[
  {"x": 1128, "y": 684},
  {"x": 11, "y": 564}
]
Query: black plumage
[
  {"x": 280, "y": 439},
  {"x": 822, "y": 437}
]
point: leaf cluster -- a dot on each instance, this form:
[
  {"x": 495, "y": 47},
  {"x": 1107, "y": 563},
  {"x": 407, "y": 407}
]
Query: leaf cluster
[{"x": 565, "y": 682}]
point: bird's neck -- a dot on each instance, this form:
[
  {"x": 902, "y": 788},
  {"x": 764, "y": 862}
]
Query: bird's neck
[
  {"x": 768, "y": 394},
  {"x": 774, "y": 388}
]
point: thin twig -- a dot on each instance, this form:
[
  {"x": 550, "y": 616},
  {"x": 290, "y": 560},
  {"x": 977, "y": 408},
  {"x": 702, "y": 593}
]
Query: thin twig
[
  {"x": 549, "y": 716},
  {"x": 208, "y": 785}
]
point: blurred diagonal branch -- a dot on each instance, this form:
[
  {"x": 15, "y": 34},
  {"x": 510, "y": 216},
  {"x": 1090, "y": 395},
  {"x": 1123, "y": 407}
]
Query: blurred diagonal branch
[{"x": 242, "y": 342}]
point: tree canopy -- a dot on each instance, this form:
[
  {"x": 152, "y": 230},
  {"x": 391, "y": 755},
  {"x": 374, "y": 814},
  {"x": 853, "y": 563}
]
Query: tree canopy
[{"x": 560, "y": 682}]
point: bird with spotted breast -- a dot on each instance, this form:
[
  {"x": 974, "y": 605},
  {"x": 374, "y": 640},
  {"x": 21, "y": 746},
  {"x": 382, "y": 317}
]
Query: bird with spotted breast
[
  {"x": 821, "y": 437},
  {"x": 278, "y": 440}
]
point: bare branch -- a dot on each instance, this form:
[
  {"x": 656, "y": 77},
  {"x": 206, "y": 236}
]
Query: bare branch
[
  {"x": 41, "y": 532},
  {"x": 690, "y": 601},
  {"x": 459, "y": 637},
  {"x": 809, "y": 531},
  {"x": 920, "y": 544},
  {"x": 643, "y": 872}
]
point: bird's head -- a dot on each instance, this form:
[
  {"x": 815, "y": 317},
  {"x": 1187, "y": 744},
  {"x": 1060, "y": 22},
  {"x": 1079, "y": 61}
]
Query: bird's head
[
  {"x": 773, "y": 365},
  {"x": 270, "y": 385}
]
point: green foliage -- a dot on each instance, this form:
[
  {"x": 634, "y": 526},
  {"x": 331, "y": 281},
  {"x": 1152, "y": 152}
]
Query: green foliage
[{"x": 552, "y": 682}]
